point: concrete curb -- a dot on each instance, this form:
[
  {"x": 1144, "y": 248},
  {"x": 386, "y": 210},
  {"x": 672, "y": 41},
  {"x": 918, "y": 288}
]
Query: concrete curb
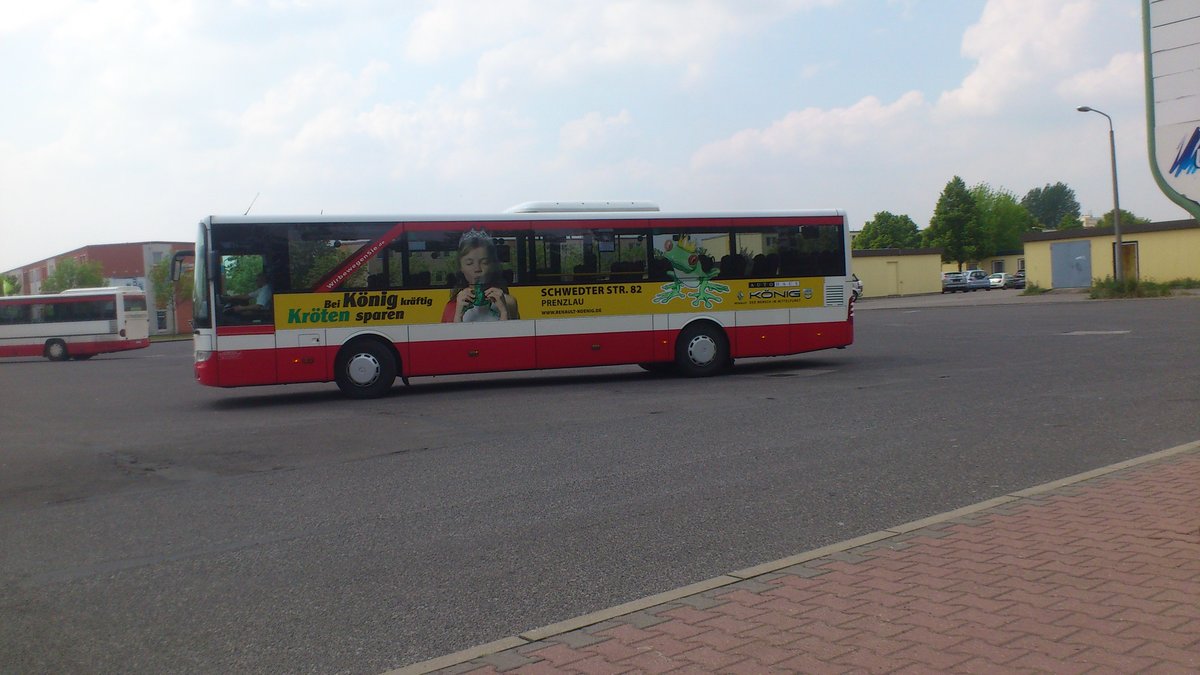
[{"x": 740, "y": 576}]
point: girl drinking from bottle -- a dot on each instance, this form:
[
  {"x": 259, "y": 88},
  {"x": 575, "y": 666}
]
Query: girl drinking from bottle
[{"x": 479, "y": 292}]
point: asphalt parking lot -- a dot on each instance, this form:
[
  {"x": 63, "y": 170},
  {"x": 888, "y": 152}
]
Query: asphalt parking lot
[
  {"x": 150, "y": 524},
  {"x": 1007, "y": 296}
]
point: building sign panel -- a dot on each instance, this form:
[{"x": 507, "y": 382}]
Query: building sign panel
[{"x": 1172, "y": 55}]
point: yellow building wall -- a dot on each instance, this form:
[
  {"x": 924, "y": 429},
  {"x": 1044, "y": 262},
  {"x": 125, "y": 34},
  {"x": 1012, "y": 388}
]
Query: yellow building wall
[
  {"x": 1039, "y": 272},
  {"x": 1161, "y": 256},
  {"x": 1168, "y": 255},
  {"x": 900, "y": 274},
  {"x": 1012, "y": 263},
  {"x": 1037, "y": 264}
]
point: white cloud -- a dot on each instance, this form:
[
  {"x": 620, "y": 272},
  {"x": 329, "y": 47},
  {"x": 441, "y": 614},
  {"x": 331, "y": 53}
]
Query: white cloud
[
  {"x": 905, "y": 6},
  {"x": 1015, "y": 44},
  {"x": 527, "y": 45},
  {"x": 307, "y": 93},
  {"x": 812, "y": 70},
  {"x": 455, "y": 27},
  {"x": 418, "y": 136},
  {"x": 453, "y": 139},
  {"x": 1122, "y": 78},
  {"x": 592, "y": 129},
  {"x": 814, "y": 132},
  {"x": 20, "y": 16}
]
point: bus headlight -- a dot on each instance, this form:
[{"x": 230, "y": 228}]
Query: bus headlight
[{"x": 202, "y": 356}]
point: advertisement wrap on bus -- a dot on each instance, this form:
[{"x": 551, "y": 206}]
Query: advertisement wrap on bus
[
  {"x": 362, "y": 300},
  {"x": 389, "y": 308}
]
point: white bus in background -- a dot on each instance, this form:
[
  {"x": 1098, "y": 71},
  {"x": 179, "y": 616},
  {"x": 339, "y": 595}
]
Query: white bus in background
[{"x": 75, "y": 324}]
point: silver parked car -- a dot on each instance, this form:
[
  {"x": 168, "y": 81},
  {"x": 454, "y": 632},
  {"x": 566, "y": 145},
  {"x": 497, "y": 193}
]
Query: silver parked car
[
  {"x": 977, "y": 279},
  {"x": 954, "y": 281}
]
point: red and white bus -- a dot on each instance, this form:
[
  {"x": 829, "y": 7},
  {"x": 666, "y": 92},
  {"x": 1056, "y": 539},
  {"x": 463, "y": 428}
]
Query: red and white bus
[
  {"x": 359, "y": 300},
  {"x": 75, "y": 324}
]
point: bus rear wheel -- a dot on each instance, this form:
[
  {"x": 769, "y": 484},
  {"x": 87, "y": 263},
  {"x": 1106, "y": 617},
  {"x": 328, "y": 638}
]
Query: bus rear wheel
[
  {"x": 56, "y": 350},
  {"x": 701, "y": 350},
  {"x": 365, "y": 369}
]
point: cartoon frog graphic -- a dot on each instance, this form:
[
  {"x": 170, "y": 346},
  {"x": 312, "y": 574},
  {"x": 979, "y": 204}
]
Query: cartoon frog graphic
[{"x": 687, "y": 269}]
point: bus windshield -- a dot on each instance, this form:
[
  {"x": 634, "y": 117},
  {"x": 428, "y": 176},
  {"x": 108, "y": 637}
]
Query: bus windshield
[{"x": 201, "y": 312}]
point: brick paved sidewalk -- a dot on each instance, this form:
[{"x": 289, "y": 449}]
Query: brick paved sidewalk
[{"x": 1099, "y": 573}]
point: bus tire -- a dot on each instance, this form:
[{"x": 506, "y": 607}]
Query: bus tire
[
  {"x": 701, "y": 350},
  {"x": 56, "y": 350},
  {"x": 365, "y": 369}
]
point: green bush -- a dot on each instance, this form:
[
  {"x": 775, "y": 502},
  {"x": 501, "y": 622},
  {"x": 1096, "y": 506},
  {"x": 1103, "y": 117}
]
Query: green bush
[
  {"x": 1128, "y": 288},
  {"x": 1033, "y": 289}
]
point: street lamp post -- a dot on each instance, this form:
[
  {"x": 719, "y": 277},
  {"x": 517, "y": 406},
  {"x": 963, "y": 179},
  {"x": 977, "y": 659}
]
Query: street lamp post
[{"x": 1112, "y": 148}]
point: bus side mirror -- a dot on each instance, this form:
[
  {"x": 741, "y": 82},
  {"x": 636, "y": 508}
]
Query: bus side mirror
[{"x": 177, "y": 263}]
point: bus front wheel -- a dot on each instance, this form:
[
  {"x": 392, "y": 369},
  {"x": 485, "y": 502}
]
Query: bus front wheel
[
  {"x": 701, "y": 350},
  {"x": 56, "y": 350},
  {"x": 365, "y": 369}
]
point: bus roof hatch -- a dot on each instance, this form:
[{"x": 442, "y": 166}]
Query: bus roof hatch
[{"x": 582, "y": 207}]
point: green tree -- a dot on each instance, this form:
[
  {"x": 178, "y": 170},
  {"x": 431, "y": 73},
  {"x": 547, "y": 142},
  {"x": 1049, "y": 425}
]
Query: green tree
[
  {"x": 1127, "y": 218},
  {"x": 954, "y": 227},
  {"x": 312, "y": 260},
  {"x": 240, "y": 273},
  {"x": 10, "y": 285},
  {"x": 1069, "y": 222},
  {"x": 69, "y": 273},
  {"x": 887, "y": 230},
  {"x": 160, "y": 282},
  {"x": 1052, "y": 204},
  {"x": 168, "y": 293},
  {"x": 1002, "y": 218}
]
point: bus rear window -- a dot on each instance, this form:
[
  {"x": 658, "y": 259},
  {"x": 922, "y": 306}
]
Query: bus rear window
[{"x": 135, "y": 303}]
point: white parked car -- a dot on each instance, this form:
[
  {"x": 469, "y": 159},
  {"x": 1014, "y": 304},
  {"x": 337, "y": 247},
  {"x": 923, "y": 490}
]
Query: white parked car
[
  {"x": 1000, "y": 280},
  {"x": 855, "y": 287}
]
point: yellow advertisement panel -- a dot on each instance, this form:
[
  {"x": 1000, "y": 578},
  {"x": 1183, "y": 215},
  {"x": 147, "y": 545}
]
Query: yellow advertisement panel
[
  {"x": 358, "y": 308},
  {"x": 402, "y": 307}
]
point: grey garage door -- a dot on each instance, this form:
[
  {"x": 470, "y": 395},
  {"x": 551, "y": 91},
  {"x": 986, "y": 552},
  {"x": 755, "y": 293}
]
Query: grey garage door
[{"x": 1071, "y": 264}]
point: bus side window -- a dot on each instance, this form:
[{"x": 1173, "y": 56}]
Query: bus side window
[
  {"x": 431, "y": 260},
  {"x": 14, "y": 314}
]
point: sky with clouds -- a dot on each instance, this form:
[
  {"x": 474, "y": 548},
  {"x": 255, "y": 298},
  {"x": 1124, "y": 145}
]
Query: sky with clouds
[{"x": 130, "y": 120}]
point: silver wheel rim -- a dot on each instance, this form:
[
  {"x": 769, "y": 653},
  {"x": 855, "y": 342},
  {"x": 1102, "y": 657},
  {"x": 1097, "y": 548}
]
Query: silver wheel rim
[
  {"x": 363, "y": 369},
  {"x": 57, "y": 350},
  {"x": 702, "y": 350}
]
